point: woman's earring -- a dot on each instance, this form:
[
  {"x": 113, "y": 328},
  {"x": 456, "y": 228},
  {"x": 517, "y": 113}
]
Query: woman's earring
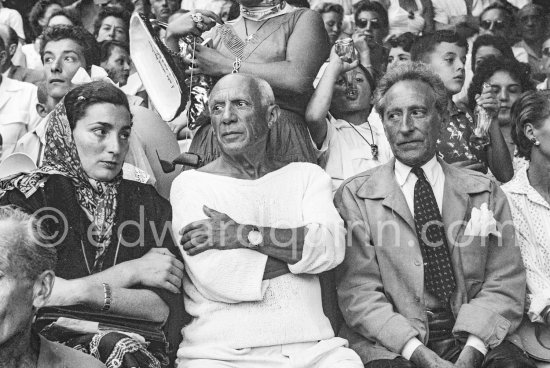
[{"x": 535, "y": 141}]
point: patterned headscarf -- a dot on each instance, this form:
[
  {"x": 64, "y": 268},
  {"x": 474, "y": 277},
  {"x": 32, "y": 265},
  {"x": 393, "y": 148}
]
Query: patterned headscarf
[{"x": 97, "y": 199}]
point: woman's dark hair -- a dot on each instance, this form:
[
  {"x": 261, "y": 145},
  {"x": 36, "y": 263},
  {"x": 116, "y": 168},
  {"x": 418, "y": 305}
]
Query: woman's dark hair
[
  {"x": 426, "y": 44},
  {"x": 497, "y": 42},
  {"x": 107, "y": 47},
  {"x": 531, "y": 107},
  {"x": 115, "y": 12},
  {"x": 78, "y": 35},
  {"x": 69, "y": 15},
  {"x": 519, "y": 71},
  {"x": 404, "y": 40},
  {"x": 37, "y": 12},
  {"x": 80, "y": 98},
  {"x": 323, "y": 8},
  {"x": 371, "y": 6}
]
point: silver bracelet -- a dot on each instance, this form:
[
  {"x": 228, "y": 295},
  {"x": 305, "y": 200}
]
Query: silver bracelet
[
  {"x": 107, "y": 294},
  {"x": 236, "y": 65}
]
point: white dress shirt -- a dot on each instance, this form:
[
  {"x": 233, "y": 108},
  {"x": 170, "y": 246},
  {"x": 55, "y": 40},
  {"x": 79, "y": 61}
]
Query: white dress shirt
[{"x": 407, "y": 180}]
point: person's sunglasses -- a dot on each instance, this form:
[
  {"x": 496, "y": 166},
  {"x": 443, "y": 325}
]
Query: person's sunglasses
[
  {"x": 496, "y": 24},
  {"x": 546, "y": 51},
  {"x": 363, "y": 23}
]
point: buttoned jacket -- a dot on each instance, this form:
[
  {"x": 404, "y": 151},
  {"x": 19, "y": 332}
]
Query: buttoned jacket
[{"x": 381, "y": 281}]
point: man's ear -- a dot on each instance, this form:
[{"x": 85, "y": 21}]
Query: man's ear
[
  {"x": 41, "y": 110},
  {"x": 12, "y": 49},
  {"x": 3, "y": 57},
  {"x": 42, "y": 288},
  {"x": 272, "y": 114}
]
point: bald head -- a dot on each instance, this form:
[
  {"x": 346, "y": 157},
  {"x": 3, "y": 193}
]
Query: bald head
[
  {"x": 242, "y": 110},
  {"x": 257, "y": 86}
]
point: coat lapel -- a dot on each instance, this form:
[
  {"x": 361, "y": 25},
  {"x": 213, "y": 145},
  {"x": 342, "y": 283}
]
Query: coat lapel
[{"x": 390, "y": 192}]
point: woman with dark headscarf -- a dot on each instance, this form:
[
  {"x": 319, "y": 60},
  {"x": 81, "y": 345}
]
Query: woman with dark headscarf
[{"x": 117, "y": 264}]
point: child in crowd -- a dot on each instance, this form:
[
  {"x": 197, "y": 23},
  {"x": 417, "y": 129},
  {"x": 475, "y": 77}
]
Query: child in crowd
[
  {"x": 346, "y": 142},
  {"x": 445, "y": 52}
]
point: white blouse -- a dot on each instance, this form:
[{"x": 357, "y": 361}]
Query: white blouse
[{"x": 531, "y": 215}]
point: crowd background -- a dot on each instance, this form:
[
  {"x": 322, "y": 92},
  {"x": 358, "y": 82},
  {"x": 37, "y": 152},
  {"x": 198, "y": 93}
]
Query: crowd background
[{"x": 490, "y": 54}]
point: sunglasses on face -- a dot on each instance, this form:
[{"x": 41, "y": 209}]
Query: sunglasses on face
[
  {"x": 546, "y": 51},
  {"x": 495, "y": 24},
  {"x": 363, "y": 23}
]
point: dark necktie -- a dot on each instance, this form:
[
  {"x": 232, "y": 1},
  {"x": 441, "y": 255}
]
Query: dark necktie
[{"x": 438, "y": 270}]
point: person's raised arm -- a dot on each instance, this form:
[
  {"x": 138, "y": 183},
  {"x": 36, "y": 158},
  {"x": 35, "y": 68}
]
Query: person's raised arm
[{"x": 319, "y": 104}]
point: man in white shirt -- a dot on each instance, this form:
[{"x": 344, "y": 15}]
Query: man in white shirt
[
  {"x": 17, "y": 108},
  {"x": 255, "y": 235},
  {"x": 419, "y": 287}
]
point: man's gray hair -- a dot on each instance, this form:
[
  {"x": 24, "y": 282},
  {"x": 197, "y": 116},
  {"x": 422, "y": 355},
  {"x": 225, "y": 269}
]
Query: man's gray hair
[
  {"x": 410, "y": 71},
  {"x": 24, "y": 249}
]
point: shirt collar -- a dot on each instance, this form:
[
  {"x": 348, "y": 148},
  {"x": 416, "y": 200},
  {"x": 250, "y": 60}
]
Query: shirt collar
[{"x": 431, "y": 170}]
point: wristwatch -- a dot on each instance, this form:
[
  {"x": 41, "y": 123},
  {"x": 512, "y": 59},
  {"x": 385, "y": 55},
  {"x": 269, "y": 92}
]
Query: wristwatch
[{"x": 254, "y": 237}]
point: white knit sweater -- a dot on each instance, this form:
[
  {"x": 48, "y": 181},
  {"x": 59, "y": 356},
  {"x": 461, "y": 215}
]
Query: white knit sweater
[{"x": 225, "y": 294}]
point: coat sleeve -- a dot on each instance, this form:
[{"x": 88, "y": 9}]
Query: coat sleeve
[
  {"x": 361, "y": 297},
  {"x": 497, "y": 309}
]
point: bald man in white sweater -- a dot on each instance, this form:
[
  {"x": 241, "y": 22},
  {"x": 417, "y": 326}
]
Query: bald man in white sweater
[{"x": 254, "y": 236}]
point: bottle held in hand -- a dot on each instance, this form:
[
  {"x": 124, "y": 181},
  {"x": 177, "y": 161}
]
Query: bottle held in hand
[
  {"x": 483, "y": 117},
  {"x": 345, "y": 49}
]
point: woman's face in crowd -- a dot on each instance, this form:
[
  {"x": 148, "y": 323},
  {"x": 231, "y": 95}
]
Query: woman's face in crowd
[
  {"x": 112, "y": 28},
  {"x": 507, "y": 90},
  {"x": 60, "y": 20},
  {"x": 343, "y": 101},
  {"x": 118, "y": 65},
  {"x": 62, "y": 59},
  {"x": 546, "y": 56},
  {"x": 333, "y": 25},
  {"x": 396, "y": 55},
  {"x": 102, "y": 140},
  {"x": 484, "y": 52},
  {"x": 370, "y": 23},
  {"x": 162, "y": 9},
  {"x": 48, "y": 14}
]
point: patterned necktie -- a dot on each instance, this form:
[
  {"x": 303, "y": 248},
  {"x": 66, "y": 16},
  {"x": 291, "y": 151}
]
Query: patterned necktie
[{"x": 438, "y": 270}]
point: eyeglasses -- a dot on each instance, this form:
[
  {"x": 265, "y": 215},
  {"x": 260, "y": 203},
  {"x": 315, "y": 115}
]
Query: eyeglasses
[
  {"x": 494, "y": 24},
  {"x": 546, "y": 51},
  {"x": 363, "y": 23}
]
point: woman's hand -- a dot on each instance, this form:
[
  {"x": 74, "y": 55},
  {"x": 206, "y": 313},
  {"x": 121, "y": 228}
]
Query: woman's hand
[
  {"x": 488, "y": 100},
  {"x": 159, "y": 268},
  {"x": 209, "y": 61},
  {"x": 66, "y": 292},
  {"x": 339, "y": 65},
  {"x": 219, "y": 231},
  {"x": 185, "y": 25},
  {"x": 363, "y": 46}
]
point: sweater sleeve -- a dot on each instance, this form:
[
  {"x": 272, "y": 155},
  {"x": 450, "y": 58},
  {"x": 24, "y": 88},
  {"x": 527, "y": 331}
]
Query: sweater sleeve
[
  {"x": 229, "y": 276},
  {"x": 324, "y": 245}
]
